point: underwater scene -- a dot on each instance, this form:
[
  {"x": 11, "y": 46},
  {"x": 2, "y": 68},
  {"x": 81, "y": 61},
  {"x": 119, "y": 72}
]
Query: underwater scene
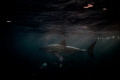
[{"x": 53, "y": 39}]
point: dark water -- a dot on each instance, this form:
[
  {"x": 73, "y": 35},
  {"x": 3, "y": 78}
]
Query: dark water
[{"x": 31, "y": 30}]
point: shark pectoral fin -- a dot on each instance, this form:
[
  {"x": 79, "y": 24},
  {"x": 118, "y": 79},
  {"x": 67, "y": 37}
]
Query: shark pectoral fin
[{"x": 61, "y": 58}]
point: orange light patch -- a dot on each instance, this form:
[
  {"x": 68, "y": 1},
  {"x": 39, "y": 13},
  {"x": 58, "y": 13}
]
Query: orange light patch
[
  {"x": 85, "y": 7},
  {"x": 90, "y": 5}
]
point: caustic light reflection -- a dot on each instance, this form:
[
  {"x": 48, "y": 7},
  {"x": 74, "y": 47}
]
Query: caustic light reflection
[{"x": 111, "y": 37}]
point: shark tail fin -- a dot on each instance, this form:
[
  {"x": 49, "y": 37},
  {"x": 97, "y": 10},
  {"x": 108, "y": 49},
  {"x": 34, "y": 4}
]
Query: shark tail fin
[{"x": 90, "y": 49}]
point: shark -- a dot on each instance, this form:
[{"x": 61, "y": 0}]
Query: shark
[{"x": 62, "y": 49}]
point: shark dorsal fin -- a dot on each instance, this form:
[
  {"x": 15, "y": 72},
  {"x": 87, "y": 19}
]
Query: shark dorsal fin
[{"x": 63, "y": 43}]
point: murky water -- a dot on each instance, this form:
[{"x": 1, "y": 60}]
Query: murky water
[
  {"x": 25, "y": 39},
  {"x": 28, "y": 43}
]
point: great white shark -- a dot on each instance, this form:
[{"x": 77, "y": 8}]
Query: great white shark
[{"x": 60, "y": 50}]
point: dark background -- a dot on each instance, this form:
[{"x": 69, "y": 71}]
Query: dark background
[{"x": 17, "y": 66}]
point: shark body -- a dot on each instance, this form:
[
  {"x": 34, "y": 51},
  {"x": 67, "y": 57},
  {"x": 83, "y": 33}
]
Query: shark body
[{"x": 62, "y": 49}]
